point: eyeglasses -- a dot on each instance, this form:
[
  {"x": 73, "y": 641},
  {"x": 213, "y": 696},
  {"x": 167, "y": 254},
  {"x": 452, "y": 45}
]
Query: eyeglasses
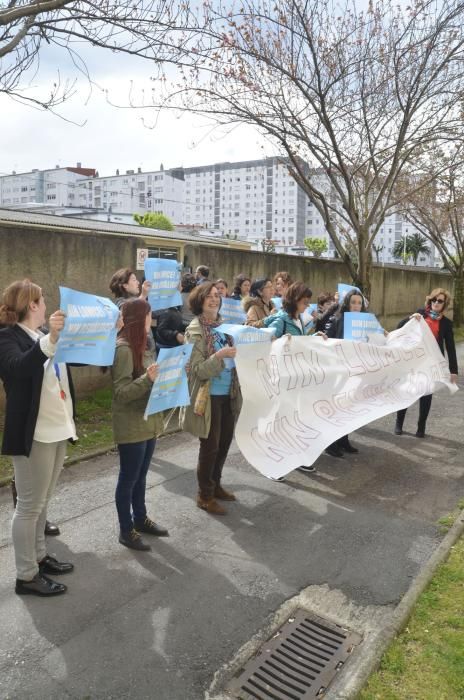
[{"x": 437, "y": 301}]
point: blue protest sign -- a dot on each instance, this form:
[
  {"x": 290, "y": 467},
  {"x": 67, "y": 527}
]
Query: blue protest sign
[
  {"x": 89, "y": 333},
  {"x": 344, "y": 289},
  {"x": 164, "y": 276},
  {"x": 307, "y": 317},
  {"x": 277, "y": 301},
  {"x": 243, "y": 335},
  {"x": 232, "y": 311},
  {"x": 361, "y": 326},
  {"x": 170, "y": 388}
]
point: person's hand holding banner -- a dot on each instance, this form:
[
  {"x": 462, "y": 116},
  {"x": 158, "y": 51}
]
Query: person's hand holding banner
[
  {"x": 89, "y": 333},
  {"x": 164, "y": 278}
]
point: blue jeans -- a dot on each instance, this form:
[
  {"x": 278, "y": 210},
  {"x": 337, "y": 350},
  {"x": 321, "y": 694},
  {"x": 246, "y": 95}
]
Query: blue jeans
[{"x": 134, "y": 462}]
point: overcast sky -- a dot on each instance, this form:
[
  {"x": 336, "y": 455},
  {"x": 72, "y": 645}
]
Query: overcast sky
[{"x": 112, "y": 138}]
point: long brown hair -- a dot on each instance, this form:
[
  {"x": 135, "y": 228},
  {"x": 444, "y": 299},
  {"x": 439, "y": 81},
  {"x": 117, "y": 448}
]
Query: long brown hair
[
  {"x": 16, "y": 300},
  {"x": 134, "y": 312}
]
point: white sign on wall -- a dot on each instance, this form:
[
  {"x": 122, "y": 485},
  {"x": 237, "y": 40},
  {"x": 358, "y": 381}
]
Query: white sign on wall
[{"x": 142, "y": 255}]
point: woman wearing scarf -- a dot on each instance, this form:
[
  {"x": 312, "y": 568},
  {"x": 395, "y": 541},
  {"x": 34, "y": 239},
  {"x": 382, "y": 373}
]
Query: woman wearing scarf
[
  {"x": 436, "y": 304},
  {"x": 214, "y": 393}
]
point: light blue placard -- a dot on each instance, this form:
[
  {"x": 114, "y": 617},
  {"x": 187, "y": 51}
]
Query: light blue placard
[
  {"x": 344, "y": 289},
  {"x": 231, "y": 311},
  {"x": 89, "y": 334},
  {"x": 243, "y": 335},
  {"x": 360, "y": 326},
  {"x": 170, "y": 388},
  {"x": 306, "y": 317},
  {"x": 277, "y": 301},
  {"x": 164, "y": 276}
]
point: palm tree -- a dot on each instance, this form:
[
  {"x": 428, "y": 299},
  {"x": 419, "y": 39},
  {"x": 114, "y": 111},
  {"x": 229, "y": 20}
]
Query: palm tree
[{"x": 411, "y": 247}]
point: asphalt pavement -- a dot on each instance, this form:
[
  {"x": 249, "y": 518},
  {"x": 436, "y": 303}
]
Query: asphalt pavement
[{"x": 173, "y": 623}]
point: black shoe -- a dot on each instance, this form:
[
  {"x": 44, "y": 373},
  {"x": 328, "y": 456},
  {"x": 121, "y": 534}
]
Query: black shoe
[
  {"x": 40, "y": 585},
  {"x": 51, "y": 530},
  {"x": 50, "y": 565},
  {"x": 420, "y": 433},
  {"x": 307, "y": 470},
  {"x": 398, "y": 428},
  {"x": 133, "y": 540},
  {"x": 349, "y": 449},
  {"x": 334, "y": 451},
  {"x": 151, "y": 528}
]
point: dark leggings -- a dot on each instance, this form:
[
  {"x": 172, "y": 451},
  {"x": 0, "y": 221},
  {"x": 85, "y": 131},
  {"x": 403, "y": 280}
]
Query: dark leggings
[{"x": 424, "y": 409}]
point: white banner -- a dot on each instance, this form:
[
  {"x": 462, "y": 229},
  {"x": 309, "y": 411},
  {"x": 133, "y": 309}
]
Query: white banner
[{"x": 302, "y": 393}]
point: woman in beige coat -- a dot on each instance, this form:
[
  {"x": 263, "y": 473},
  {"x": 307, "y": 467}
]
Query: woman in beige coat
[
  {"x": 258, "y": 305},
  {"x": 214, "y": 396}
]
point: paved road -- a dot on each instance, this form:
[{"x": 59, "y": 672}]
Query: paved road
[{"x": 160, "y": 624}]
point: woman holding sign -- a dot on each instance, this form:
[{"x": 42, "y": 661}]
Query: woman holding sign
[
  {"x": 353, "y": 302},
  {"x": 38, "y": 423},
  {"x": 214, "y": 393},
  {"x": 133, "y": 373},
  {"x": 288, "y": 320},
  {"x": 436, "y": 304}
]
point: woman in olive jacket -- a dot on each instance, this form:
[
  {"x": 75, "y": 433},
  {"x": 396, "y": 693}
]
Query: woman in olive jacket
[
  {"x": 133, "y": 373},
  {"x": 215, "y": 398}
]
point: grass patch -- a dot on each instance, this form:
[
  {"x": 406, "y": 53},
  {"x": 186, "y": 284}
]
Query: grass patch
[
  {"x": 459, "y": 334},
  {"x": 93, "y": 424},
  {"x": 425, "y": 662}
]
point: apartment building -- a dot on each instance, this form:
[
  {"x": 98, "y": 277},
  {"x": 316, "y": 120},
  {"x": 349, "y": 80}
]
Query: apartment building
[
  {"x": 133, "y": 192},
  {"x": 250, "y": 199},
  {"x": 57, "y": 186}
]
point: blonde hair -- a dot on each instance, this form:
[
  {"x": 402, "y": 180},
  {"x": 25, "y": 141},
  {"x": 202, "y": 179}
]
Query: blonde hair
[
  {"x": 17, "y": 298},
  {"x": 433, "y": 294}
]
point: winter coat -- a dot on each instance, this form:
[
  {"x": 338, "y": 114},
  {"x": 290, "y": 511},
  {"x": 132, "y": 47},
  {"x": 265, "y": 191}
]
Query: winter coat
[
  {"x": 170, "y": 323},
  {"x": 256, "y": 311},
  {"x": 130, "y": 397},
  {"x": 283, "y": 324},
  {"x": 22, "y": 372},
  {"x": 202, "y": 369},
  {"x": 445, "y": 339},
  {"x": 335, "y": 326}
]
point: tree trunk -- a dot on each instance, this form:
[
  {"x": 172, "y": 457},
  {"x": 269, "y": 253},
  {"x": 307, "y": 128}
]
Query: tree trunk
[
  {"x": 458, "y": 298},
  {"x": 363, "y": 280}
]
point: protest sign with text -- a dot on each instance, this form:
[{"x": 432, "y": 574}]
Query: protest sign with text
[
  {"x": 164, "y": 277},
  {"x": 244, "y": 335},
  {"x": 307, "y": 318},
  {"x": 232, "y": 311},
  {"x": 89, "y": 334},
  {"x": 302, "y": 393},
  {"x": 170, "y": 388},
  {"x": 361, "y": 326}
]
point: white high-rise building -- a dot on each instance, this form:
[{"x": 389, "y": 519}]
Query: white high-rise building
[
  {"x": 57, "y": 186},
  {"x": 160, "y": 191}
]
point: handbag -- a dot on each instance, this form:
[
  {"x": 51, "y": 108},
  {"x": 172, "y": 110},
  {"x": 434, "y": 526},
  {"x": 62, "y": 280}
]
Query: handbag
[{"x": 201, "y": 399}]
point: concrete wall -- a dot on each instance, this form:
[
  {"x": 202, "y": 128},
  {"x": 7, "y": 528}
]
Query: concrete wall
[
  {"x": 396, "y": 290},
  {"x": 87, "y": 260}
]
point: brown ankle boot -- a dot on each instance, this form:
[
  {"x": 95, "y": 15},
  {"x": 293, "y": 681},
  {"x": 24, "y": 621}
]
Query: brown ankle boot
[
  {"x": 211, "y": 506},
  {"x": 223, "y": 495}
]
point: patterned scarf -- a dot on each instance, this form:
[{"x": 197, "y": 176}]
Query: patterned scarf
[{"x": 207, "y": 330}]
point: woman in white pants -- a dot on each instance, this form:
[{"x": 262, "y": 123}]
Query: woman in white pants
[{"x": 38, "y": 423}]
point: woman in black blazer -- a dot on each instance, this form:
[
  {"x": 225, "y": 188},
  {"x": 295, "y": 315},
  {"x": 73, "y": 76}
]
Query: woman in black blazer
[
  {"x": 436, "y": 304},
  {"x": 38, "y": 422}
]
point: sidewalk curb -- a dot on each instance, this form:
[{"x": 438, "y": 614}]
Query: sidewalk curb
[{"x": 348, "y": 685}]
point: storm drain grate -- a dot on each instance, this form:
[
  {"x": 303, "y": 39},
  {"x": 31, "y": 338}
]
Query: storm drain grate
[{"x": 298, "y": 663}]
